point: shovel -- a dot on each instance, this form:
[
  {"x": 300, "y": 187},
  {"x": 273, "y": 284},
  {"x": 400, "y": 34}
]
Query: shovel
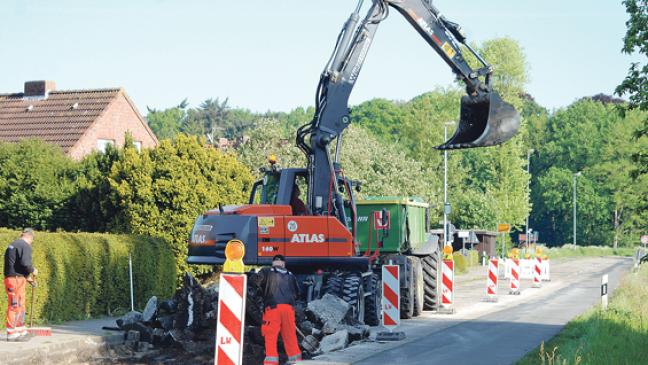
[
  {"x": 36, "y": 331},
  {"x": 309, "y": 343},
  {"x": 485, "y": 120}
]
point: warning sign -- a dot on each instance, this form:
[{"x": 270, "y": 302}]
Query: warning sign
[
  {"x": 266, "y": 222},
  {"x": 503, "y": 228}
]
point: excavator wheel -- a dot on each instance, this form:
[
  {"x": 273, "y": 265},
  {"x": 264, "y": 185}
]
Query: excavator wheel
[
  {"x": 430, "y": 274},
  {"x": 353, "y": 293},
  {"x": 333, "y": 285},
  {"x": 373, "y": 301}
]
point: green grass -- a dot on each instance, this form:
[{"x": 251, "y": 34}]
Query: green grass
[
  {"x": 582, "y": 251},
  {"x": 616, "y": 336}
]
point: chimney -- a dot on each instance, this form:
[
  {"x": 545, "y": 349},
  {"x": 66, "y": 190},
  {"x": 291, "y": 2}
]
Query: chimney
[{"x": 39, "y": 88}]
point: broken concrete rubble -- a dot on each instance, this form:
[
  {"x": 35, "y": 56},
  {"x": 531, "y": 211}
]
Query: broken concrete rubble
[{"x": 187, "y": 323}]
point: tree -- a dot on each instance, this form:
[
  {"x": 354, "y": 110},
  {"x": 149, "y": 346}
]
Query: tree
[
  {"x": 635, "y": 85},
  {"x": 37, "y": 182},
  {"x": 211, "y": 118},
  {"x": 168, "y": 122}
]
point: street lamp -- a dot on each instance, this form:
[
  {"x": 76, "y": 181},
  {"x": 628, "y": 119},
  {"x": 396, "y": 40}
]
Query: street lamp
[
  {"x": 446, "y": 206},
  {"x": 575, "y": 176},
  {"x": 528, "y": 231}
]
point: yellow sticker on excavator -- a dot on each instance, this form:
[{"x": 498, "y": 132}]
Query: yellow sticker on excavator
[
  {"x": 447, "y": 48},
  {"x": 266, "y": 222}
]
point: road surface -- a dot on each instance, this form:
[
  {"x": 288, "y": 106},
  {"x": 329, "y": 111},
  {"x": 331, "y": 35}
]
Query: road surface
[{"x": 493, "y": 333}]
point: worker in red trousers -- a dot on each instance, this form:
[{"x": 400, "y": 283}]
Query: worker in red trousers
[
  {"x": 280, "y": 290},
  {"x": 18, "y": 271}
]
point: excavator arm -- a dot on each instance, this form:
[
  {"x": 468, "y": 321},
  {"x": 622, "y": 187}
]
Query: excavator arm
[{"x": 485, "y": 119}]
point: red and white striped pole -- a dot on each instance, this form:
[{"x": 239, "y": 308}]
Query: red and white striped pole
[
  {"x": 447, "y": 285},
  {"x": 537, "y": 273},
  {"x": 232, "y": 292},
  {"x": 514, "y": 284},
  {"x": 491, "y": 281},
  {"x": 391, "y": 297}
]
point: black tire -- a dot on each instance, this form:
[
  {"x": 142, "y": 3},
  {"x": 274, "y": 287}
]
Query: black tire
[
  {"x": 419, "y": 284},
  {"x": 333, "y": 286},
  {"x": 407, "y": 294},
  {"x": 373, "y": 302},
  {"x": 353, "y": 293},
  {"x": 430, "y": 265}
]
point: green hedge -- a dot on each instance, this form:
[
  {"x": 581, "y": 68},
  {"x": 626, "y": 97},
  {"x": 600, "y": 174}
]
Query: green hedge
[{"x": 84, "y": 275}]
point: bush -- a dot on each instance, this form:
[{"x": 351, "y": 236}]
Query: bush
[{"x": 83, "y": 275}]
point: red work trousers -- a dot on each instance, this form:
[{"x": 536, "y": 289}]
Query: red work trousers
[
  {"x": 15, "y": 288},
  {"x": 276, "y": 320}
]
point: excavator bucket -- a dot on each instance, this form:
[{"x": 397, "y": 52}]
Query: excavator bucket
[{"x": 486, "y": 120}]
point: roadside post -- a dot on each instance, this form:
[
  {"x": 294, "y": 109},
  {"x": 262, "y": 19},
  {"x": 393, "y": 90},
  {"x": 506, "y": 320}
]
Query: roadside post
[
  {"x": 447, "y": 282},
  {"x": 232, "y": 290},
  {"x": 604, "y": 292},
  {"x": 514, "y": 283},
  {"x": 390, "y": 304},
  {"x": 491, "y": 281},
  {"x": 130, "y": 279},
  {"x": 537, "y": 269},
  {"x": 503, "y": 229}
]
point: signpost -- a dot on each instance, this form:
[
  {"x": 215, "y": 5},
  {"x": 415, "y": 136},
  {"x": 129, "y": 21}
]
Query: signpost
[
  {"x": 604, "y": 292},
  {"x": 503, "y": 228}
]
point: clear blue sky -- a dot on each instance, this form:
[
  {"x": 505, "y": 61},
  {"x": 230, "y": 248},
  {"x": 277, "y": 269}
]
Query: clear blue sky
[{"x": 267, "y": 55}]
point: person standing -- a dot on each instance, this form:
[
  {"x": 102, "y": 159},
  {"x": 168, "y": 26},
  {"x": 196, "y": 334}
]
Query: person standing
[
  {"x": 280, "y": 291},
  {"x": 18, "y": 270}
]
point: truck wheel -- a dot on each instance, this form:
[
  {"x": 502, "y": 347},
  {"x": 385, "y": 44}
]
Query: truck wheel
[
  {"x": 419, "y": 284},
  {"x": 353, "y": 293},
  {"x": 373, "y": 302},
  {"x": 407, "y": 294},
  {"x": 430, "y": 270},
  {"x": 333, "y": 285}
]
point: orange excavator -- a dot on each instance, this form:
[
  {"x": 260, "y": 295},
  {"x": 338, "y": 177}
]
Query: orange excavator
[{"x": 320, "y": 238}]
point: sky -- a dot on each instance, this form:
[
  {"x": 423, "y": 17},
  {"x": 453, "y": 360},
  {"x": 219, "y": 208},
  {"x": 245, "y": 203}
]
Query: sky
[{"x": 268, "y": 55}]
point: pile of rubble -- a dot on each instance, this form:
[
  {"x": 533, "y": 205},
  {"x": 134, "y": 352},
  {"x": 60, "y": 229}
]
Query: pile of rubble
[{"x": 187, "y": 322}]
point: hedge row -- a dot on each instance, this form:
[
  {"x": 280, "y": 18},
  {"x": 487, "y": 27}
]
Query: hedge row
[{"x": 84, "y": 275}]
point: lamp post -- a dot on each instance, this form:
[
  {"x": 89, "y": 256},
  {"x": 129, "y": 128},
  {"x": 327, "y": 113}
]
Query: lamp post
[
  {"x": 529, "y": 152},
  {"x": 575, "y": 176},
  {"x": 446, "y": 206}
]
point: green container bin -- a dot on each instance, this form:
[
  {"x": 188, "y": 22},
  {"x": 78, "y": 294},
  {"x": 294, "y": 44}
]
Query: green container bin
[{"x": 409, "y": 218}]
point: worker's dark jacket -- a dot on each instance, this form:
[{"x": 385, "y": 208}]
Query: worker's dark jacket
[
  {"x": 279, "y": 286},
  {"x": 18, "y": 259}
]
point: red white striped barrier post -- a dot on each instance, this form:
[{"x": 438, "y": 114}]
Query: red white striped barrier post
[
  {"x": 447, "y": 286},
  {"x": 537, "y": 273},
  {"x": 514, "y": 284},
  {"x": 491, "y": 281},
  {"x": 390, "y": 304},
  {"x": 232, "y": 291}
]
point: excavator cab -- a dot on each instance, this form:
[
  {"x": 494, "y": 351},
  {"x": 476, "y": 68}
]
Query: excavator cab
[{"x": 485, "y": 120}]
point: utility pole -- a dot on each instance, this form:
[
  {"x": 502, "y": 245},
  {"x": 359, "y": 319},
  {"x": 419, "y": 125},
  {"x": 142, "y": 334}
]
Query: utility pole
[
  {"x": 446, "y": 205},
  {"x": 529, "y": 152},
  {"x": 575, "y": 176}
]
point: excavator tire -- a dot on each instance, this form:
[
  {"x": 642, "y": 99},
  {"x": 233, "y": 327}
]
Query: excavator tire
[
  {"x": 373, "y": 301},
  {"x": 353, "y": 293},
  {"x": 430, "y": 272},
  {"x": 419, "y": 286},
  {"x": 407, "y": 294},
  {"x": 333, "y": 286}
]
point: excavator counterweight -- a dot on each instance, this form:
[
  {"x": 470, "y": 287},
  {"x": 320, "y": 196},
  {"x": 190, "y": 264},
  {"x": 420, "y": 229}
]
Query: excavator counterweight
[{"x": 485, "y": 120}]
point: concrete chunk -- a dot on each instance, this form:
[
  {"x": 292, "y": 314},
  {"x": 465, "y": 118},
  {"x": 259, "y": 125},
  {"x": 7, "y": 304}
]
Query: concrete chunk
[
  {"x": 334, "y": 342},
  {"x": 150, "y": 309},
  {"x": 329, "y": 310}
]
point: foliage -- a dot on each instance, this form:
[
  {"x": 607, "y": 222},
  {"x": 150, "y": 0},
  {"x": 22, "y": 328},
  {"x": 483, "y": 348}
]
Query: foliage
[
  {"x": 636, "y": 41},
  {"x": 586, "y": 251},
  {"x": 169, "y": 122},
  {"x": 615, "y": 336},
  {"x": 160, "y": 192},
  {"x": 83, "y": 275},
  {"x": 36, "y": 183}
]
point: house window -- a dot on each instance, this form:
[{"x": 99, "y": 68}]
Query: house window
[
  {"x": 102, "y": 144},
  {"x": 138, "y": 145}
]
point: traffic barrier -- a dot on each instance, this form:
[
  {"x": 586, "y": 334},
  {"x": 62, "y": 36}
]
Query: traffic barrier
[
  {"x": 514, "y": 284},
  {"x": 232, "y": 291},
  {"x": 447, "y": 286},
  {"x": 537, "y": 273},
  {"x": 491, "y": 281},
  {"x": 526, "y": 268},
  {"x": 546, "y": 273},
  {"x": 391, "y": 297},
  {"x": 390, "y": 304}
]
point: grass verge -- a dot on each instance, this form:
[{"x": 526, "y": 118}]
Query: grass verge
[
  {"x": 578, "y": 251},
  {"x": 616, "y": 336}
]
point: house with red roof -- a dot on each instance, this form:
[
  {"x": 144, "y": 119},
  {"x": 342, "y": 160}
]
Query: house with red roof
[{"x": 78, "y": 121}]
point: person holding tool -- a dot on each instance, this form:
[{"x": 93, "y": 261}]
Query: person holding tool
[
  {"x": 18, "y": 270},
  {"x": 280, "y": 291}
]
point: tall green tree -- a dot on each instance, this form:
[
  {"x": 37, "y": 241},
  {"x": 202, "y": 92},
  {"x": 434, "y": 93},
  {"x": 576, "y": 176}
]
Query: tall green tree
[
  {"x": 635, "y": 85},
  {"x": 168, "y": 122}
]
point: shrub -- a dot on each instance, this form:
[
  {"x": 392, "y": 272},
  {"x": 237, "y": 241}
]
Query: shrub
[{"x": 83, "y": 275}]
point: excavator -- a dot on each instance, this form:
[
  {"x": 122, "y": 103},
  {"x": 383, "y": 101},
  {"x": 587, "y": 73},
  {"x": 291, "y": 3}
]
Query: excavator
[{"x": 321, "y": 237}]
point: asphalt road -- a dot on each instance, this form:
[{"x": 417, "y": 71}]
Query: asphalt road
[{"x": 504, "y": 336}]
